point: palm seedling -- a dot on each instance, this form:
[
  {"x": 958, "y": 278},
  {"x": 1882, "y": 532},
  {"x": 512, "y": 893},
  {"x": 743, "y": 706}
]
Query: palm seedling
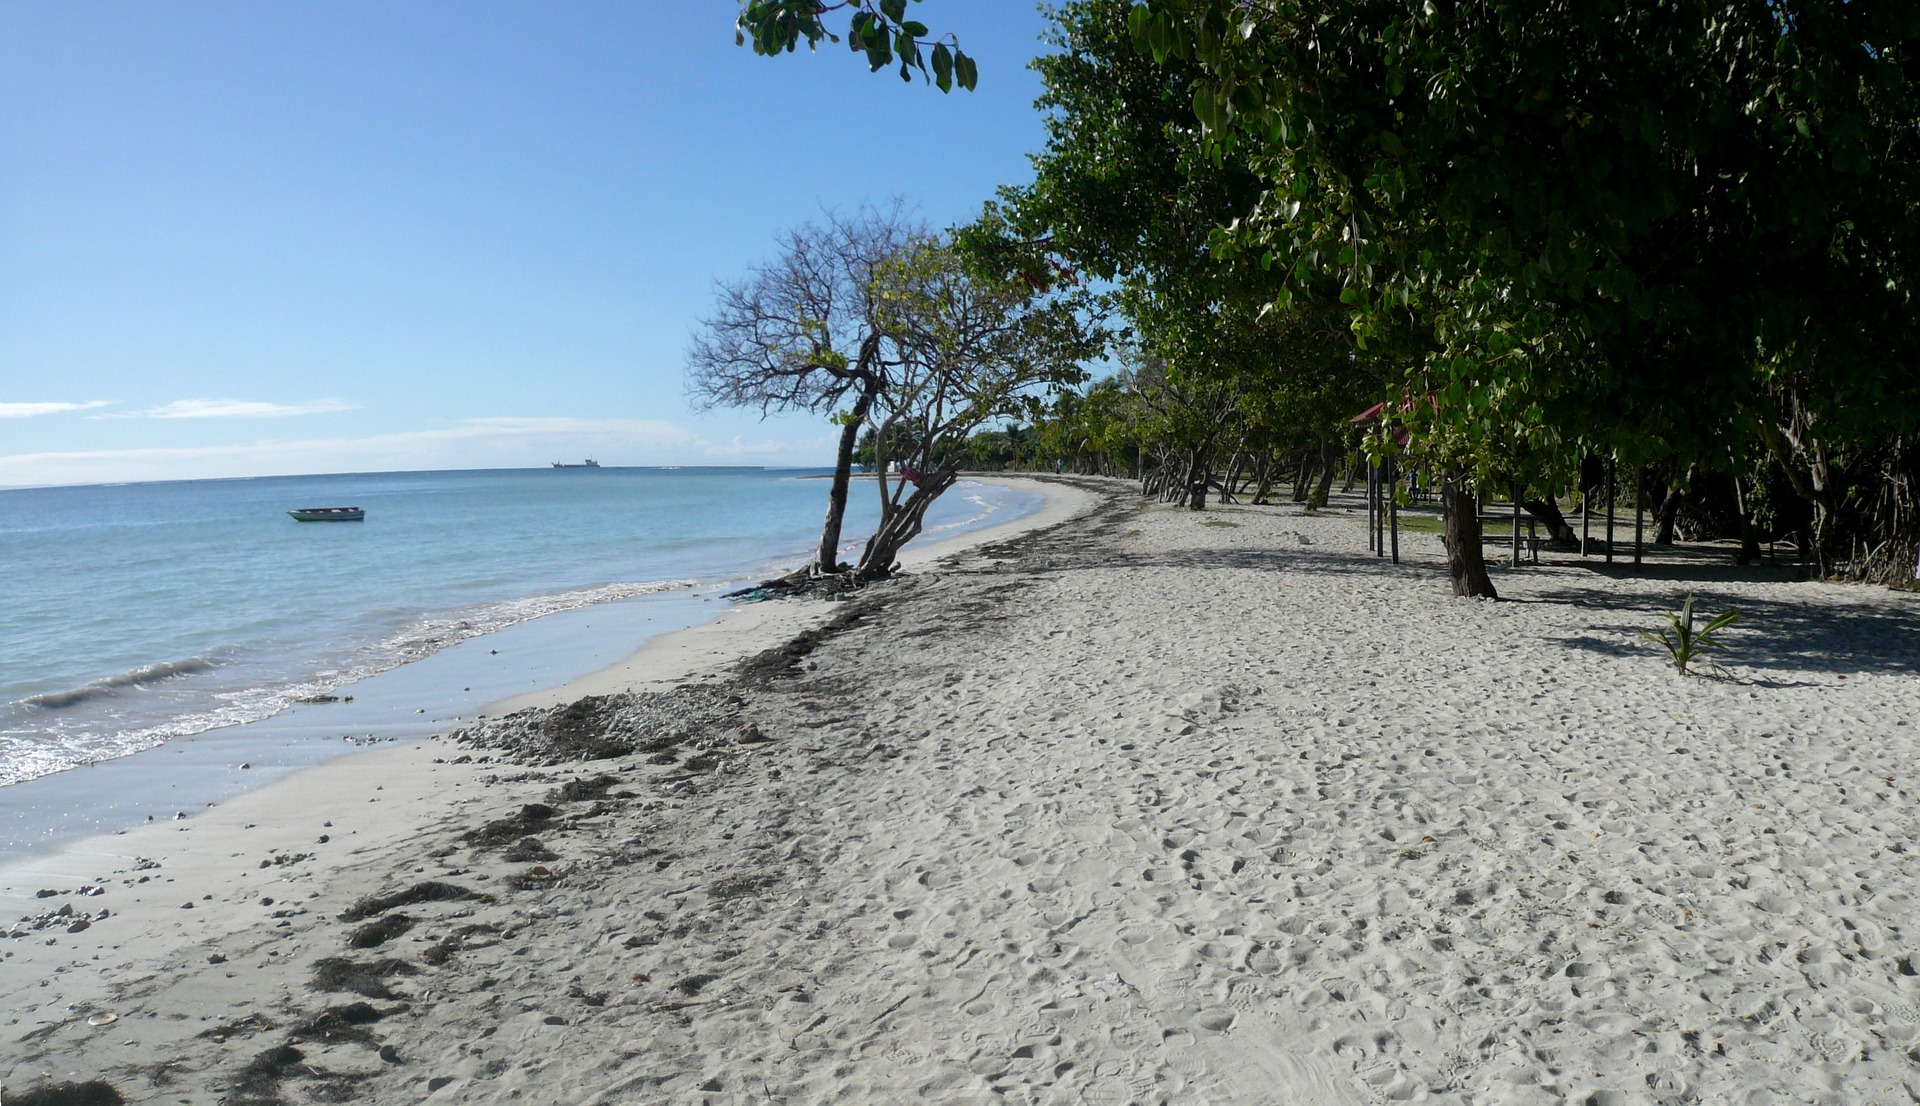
[{"x": 1682, "y": 641}]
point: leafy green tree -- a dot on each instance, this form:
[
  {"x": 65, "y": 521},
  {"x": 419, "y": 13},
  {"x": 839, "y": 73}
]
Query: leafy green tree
[
  {"x": 975, "y": 350},
  {"x": 1127, "y": 192},
  {"x": 1648, "y": 230},
  {"x": 878, "y": 29}
]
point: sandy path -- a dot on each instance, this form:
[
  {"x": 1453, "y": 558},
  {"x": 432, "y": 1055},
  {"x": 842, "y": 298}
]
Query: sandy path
[{"x": 1161, "y": 810}]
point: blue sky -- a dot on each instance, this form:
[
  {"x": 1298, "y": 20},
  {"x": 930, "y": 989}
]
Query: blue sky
[{"x": 246, "y": 239}]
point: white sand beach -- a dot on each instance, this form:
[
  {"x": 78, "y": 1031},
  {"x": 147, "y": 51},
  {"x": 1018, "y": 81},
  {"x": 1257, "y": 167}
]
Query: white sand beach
[{"x": 1143, "y": 806}]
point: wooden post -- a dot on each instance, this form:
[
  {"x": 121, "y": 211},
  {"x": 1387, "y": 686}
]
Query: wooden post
[
  {"x": 1373, "y": 494},
  {"x": 1639, "y": 515},
  {"x": 1610, "y": 491},
  {"x": 1586, "y": 520},
  {"x": 1516, "y": 524},
  {"x": 1379, "y": 515},
  {"x": 1393, "y": 506}
]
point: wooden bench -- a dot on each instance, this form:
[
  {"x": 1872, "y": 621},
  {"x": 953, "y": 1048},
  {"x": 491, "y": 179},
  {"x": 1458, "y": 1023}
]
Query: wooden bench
[{"x": 1498, "y": 530}]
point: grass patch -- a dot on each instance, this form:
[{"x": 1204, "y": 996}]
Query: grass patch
[
  {"x": 1218, "y": 522},
  {"x": 1422, "y": 524}
]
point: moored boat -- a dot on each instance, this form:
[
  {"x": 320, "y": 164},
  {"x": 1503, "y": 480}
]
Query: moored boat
[{"x": 329, "y": 514}]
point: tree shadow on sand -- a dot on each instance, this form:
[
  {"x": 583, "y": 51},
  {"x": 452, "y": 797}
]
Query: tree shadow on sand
[
  {"x": 1778, "y": 633},
  {"x": 1783, "y": 634}
]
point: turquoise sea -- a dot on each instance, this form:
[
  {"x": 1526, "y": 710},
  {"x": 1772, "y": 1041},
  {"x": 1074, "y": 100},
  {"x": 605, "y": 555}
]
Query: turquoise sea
[{"x": 136, "y": 615}]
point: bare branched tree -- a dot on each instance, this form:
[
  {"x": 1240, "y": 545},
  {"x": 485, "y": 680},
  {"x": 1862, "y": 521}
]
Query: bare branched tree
[{"x": 805, "y": 332}]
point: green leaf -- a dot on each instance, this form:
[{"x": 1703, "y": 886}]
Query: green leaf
[
  {"x": 964, "y": 71},
  {"x": 895, "y": 10},
  {"x": 942, "y": 66}
]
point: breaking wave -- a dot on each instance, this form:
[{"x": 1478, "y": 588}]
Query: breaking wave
[
  {"x": 153, "y": 673},
  {"x": 45, "y": 733}
]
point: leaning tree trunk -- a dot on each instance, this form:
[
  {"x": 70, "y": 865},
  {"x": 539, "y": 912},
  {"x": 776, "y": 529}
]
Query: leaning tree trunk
[
  {"x": 827, "y": 559},
  {"x": 1670, "y": 509},
  {"x": 1329, "y": 466},
  {"x": 1263, "y": 480},
  {"x": 899, "y": 525},
  {"x": 1548, "y": 512},
  {"x": 1466, "y": 561},
  {"x": 1196, "y": 472}
]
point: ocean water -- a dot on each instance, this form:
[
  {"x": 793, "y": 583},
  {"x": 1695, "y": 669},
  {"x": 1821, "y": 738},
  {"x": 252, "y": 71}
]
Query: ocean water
[{"x": 133, "y": 615}]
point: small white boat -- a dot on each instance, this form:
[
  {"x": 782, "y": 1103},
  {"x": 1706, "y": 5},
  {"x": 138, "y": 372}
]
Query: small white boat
[{"x": 329, "y": 514}]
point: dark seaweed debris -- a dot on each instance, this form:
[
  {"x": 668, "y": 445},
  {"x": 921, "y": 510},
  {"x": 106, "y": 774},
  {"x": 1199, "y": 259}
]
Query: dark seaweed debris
[
  {"x": 600, "y": 727},
  {"x": 252, "y": 1023},
  {"x": 365, "y": 978},
  {"x": 442, "y": 951},
  {"x": 340, "y": 1023},
  {"x": 380, "y": 931},
  {"x": 425, "y": 891},
  {"x": 259, "y": 1081},
  {"x": 531, "y": 818},
  {"x": 527, "y": 850},
  {"x": 94, "y": 1092},
  {"x": 575, "y": 791}
]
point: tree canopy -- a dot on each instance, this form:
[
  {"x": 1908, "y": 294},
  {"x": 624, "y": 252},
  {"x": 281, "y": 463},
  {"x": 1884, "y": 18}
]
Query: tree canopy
[
  {"x": 1656, "y": 231},
  {"x": 1644, "y": 223}
]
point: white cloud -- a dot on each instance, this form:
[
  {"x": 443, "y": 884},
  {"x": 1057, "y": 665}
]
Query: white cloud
[
  {"x": 506, "y": 442},
  {"x": 239, "y": 409},
  {"x": 29, "y": 410}
]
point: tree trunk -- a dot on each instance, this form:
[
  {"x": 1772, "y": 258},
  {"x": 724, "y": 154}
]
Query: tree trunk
[
  {"x": 900, "y": 525},
  {"x": 1196, "y": 473},
  {"x": 1670, "y": 510},
  {"x": 1466, "y": 561},
  {"x": 1303, "y": 476},
  {"x": 1749, "y": 541},
  {"x": 827, "y": 559},
  {"x": 1329, "y": 467},
  {"x": 1263, "y": 480},
  {"x": 1548, "y": 512}
]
